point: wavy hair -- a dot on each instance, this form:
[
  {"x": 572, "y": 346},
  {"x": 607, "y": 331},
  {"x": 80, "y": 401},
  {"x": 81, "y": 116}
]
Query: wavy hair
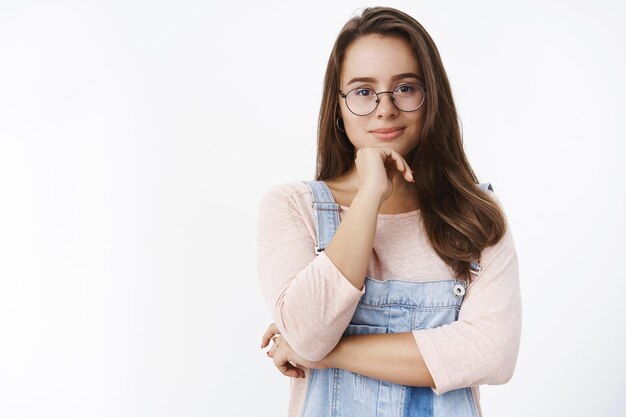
[{"x": 459, "y": 218}]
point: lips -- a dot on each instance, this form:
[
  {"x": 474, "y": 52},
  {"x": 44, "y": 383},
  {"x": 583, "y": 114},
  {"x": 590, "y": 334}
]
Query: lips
[
  {"x": 387, "y": 129},
  {"x": 388, "y": 133}
]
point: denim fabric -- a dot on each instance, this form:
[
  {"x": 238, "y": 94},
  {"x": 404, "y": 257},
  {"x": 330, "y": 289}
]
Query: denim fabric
[{"x": 390, "y": 306}]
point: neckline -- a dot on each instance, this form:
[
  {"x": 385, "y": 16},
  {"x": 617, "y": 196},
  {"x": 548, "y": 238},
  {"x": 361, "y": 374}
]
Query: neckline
[{"x": 389, "y": 215}]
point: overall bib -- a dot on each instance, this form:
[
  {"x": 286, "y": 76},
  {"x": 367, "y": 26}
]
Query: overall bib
[{"x": 390, "y": 306}]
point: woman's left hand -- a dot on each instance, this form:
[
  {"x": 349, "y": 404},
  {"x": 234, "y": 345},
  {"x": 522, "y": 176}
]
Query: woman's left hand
[{"x": 286, "y": 360}]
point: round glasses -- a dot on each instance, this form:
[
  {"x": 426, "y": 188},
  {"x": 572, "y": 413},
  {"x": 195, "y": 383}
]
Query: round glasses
[{"x": 363, "y": 101}]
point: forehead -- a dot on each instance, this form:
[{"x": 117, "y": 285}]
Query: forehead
[{"x": 378, "y": 57}]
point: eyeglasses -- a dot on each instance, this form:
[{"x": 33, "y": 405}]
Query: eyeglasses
[{"x": 363, "y": 101}]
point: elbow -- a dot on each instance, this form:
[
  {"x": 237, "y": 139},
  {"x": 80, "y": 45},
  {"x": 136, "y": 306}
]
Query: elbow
[
  {"x": 509, "y": 357},
  {"x": 311, "y": 322},
  {"x": 307, "y": 353},
  {"x": 482, "y": 360},
  {"x": 506, "y": 371},
  {"x": 499, "y": 374},
  {"x": 502, "y": 368},
  {"x": 505, "y": 348},
  {"x": 306, "y": 338},
  {"x": 309, "y": 346}
]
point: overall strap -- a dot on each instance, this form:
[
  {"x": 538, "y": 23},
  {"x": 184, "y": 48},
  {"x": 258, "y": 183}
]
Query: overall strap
[
  {"x": 327, "y": 220},
  {"x": 485, "y": 185},
  {"x": 474, "y": 265},
  {"x": 326, "y": 213}
]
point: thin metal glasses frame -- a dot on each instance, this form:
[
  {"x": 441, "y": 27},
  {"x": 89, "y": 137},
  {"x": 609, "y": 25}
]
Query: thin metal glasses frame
[{"x": 393, "y": 100}]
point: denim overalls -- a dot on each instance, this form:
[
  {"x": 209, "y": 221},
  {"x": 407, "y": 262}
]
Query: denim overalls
[{"x": 390, "y": 306}]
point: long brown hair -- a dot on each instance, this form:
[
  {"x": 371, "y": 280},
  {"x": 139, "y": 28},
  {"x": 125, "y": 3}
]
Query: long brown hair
[{"x": 459, "y": 218}]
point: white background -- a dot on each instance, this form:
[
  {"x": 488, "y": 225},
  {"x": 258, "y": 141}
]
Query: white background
[{"x": 137, "y": 137}]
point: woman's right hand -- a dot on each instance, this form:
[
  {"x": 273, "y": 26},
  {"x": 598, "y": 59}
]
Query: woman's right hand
[{"x": 377, "y": 167}]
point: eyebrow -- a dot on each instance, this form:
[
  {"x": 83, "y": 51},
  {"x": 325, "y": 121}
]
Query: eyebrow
[{"x": 395, "y": 77}]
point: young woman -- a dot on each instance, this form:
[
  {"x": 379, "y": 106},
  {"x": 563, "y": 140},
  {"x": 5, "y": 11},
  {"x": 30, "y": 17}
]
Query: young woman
[{"x": 393, "y": 277}]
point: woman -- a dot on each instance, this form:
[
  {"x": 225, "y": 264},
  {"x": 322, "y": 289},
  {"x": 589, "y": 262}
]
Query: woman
[{"x": 392, "y": 278}]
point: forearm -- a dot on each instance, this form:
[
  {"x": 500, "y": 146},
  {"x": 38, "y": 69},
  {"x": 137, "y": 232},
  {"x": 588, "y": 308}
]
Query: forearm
[
  {"x": 351, "y": 246},
  {"x": 392, "y": 357}
]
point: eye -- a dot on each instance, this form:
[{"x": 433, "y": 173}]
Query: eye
[
  {"x": 363, "y": 92},
  {"x": 406, "y": 89}
]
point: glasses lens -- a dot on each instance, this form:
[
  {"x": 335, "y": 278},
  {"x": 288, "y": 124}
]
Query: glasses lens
[
  {"x": 361, "y": 101},
  {"x": 408, "y": 97}
]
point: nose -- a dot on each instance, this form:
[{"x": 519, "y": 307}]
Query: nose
[{"x": 385, "y": 107}]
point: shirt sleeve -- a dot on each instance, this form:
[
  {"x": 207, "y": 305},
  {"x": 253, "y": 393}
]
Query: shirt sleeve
[
  {"x": 310, "y": 300},
  {"x": 482, "y": 346}
]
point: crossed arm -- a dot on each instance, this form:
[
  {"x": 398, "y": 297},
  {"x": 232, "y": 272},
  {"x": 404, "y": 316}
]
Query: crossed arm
[
  {"x": 392, "y": 357},
  {"x": 313, "y": 301}
]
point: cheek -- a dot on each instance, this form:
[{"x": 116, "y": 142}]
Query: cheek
[
  {"x": 417, "y": 120},
  {"x": 420, "y": 115},
  {"x": 355, "y": 126},
  {"x": 350, "y": 121}
]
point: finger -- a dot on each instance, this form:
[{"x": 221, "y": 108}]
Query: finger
[
  {"x": 299, "y": 369},
  {"x": 403, "y": 166},
  {"x": 289, "y": 371},
  {"x": 295, "y": 371},
  {"x": 269, "y": 333},
  {"x": 277, "y": 341},
  {"x": 397, "y": 159},
  {"x": 390, "y": 163},
  {"x": 408, "y": 174},
  {"x": 272, "y": 352},
  {"x": 286, "y": 367},
  {"x": 275, "y": 346}
]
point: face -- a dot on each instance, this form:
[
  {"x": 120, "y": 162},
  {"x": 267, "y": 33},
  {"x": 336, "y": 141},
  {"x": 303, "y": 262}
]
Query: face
[{"x": 381, "y": 63}]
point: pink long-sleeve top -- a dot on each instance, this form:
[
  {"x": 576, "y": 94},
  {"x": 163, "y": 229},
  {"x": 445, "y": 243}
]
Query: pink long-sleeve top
[{"x": 312, "y": 302}]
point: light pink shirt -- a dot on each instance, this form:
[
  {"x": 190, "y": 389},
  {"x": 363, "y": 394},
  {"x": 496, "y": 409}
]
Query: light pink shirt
[{"x": 312, "y": 302}]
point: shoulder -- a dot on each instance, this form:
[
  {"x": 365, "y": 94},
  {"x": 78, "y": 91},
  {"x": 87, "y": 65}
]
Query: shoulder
[
  {"x": 487, "y": 188},
  {"x": 506, "y": 245},
  {"x": 494, "y": 197},
  {"x": 287, "y": 207},
  {"x": 290, "y": 198},
  {"x": 491, "y": 194},
  {"x": 286, "y": 193}
]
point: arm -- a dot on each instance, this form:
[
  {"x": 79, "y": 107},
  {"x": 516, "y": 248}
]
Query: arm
[
  {"x": 392, "y": 357},
  {"x": 351, "y": 246},
  {"x": 481, "y": 347},
  {"x": 312, "y": 298}
]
